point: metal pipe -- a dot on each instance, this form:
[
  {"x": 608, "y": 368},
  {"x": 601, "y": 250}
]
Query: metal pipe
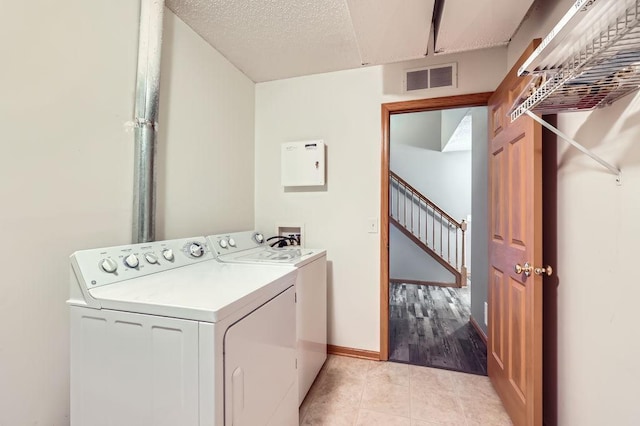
[{"x": 146, "y": 119}]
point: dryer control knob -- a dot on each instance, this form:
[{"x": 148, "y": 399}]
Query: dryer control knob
[
  {"x": 196, "y": 249},
  {"x": 232, "y": 242},
  {"x": 151, "y": 258},
  {"x": 258, "y": 237},
  {"x": 109, "y": 265},
  {"x": 223, "y": 243},
  {"x": 131, "y": 261},
  {"x": 168, "y": 254}
]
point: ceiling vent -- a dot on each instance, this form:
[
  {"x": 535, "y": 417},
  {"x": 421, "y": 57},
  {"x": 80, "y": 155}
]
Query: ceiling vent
[{"x": 433, "y": 77}]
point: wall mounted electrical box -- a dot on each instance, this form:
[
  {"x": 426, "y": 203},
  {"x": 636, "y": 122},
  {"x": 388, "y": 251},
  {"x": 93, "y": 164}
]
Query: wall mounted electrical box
[{"x": 303, "y": 163}]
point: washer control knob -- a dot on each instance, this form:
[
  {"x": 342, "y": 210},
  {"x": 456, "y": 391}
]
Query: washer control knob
[
  {"x": 168, "y": 254},
  {"x": 232, "y": 242},
  {"x": 196, "y": 249},
  {"x": 131, "y": 261},
  {"x": 109, "y": 265},
  {"x": 258, "y": 237},
  {"x": 151, "y": 258},
  {"x": 223, "y": 243}
]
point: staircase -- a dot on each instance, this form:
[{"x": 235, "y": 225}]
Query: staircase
[{"x": 428, "y": 226}]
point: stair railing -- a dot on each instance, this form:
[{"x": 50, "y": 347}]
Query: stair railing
[{"x": 428, "y": 225}]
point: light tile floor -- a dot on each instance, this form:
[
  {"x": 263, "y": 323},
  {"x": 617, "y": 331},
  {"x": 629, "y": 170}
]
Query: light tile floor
[{"x": 357, "y": 392}]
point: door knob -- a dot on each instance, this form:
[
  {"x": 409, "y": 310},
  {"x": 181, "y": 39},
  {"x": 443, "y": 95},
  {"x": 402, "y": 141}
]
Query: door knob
[
  {"x": 526, "y": 269},
  {"x": 547, "y": 270}
]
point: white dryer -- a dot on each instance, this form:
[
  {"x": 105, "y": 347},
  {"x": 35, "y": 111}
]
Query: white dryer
[
  {"x": 163, "y": 335},
  {"x": 249, "y": 247}
]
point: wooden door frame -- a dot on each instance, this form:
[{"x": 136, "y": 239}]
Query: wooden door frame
[{"x": 388, "y": 109}]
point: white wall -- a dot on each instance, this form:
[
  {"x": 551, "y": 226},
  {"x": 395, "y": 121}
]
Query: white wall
[
  {"x": 321, "y": 107},
  {"x": 444, "y": 177},
  {"x": 67, "y": 84},
  {"x": 408, "y": 262},
  {"x": 343, "y": 108},
  {"x": 478, "y": 229},
  {"x": 206, "y": 140},
  {"x": 478, "y": 71},
  {"x": 418, "y": 129},
  {"x": 598, "y": 231}
]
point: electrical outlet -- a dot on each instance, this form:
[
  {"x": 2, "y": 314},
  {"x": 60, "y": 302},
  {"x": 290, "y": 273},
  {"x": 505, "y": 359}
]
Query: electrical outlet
[{"x": 486, "y": 313}]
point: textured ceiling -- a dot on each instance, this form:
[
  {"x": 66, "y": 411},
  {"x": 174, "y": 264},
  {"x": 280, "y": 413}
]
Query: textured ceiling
[
  {"x": 391, "y": 31},
  {"x": 275, "y": 39},
  {"x": 469, "y": 25}
]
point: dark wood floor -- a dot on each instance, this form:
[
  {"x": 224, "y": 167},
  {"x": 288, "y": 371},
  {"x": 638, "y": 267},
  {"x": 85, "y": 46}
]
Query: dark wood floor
[{"x": 430, "y": 326}]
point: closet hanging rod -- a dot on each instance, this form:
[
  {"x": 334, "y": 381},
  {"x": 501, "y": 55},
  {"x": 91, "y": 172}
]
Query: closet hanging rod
[{"x": 616, "y": 171}]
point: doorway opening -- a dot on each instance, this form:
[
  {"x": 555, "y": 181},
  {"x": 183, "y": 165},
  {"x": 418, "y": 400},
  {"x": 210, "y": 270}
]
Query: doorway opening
[{"x": 431, "y": 313}]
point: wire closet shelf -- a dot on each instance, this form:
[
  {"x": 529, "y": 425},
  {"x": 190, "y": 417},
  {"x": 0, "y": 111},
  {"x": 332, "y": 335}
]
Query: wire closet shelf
[{"x": 584, "y": 65}]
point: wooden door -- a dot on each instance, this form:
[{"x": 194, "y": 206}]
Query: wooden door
[{"x": 515, "y": 212}]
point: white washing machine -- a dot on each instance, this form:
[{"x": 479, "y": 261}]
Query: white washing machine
[
  {"x": 164, "y": 335},
  {"x": 249, "y": 247}
]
